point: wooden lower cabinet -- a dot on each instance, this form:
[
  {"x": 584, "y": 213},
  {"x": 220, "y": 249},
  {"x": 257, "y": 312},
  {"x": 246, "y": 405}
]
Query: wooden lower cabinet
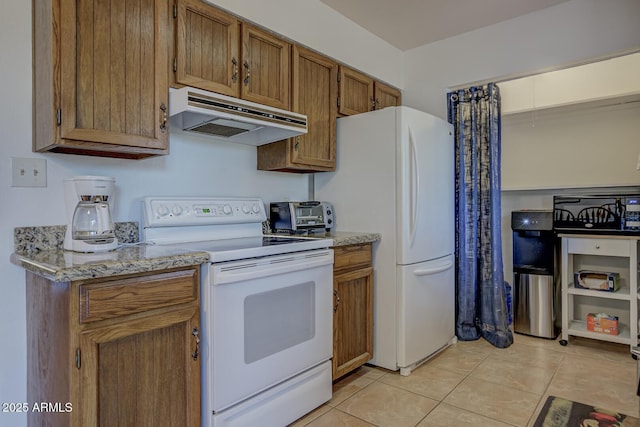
[
  {"x": 353, "y": 308},
  {"x": 135, "y": 363}
]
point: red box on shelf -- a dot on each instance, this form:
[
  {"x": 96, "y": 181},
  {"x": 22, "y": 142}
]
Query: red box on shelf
[{"x": 602, "y": 323}]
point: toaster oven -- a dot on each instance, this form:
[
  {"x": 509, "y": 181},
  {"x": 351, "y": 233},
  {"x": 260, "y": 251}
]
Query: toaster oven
[{"x": 300, "y": 217}]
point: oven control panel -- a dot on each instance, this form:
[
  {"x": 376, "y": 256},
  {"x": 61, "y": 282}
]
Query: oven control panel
[{"x": 178, "y": 211}]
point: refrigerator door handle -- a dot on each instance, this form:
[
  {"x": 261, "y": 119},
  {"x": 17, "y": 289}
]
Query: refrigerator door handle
[
  {"x": 415, "y": 184},
  {"x": 435, "y": 270}
]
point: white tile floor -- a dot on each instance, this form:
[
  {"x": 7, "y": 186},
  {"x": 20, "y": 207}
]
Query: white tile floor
[{"x": 476, "y": 384}]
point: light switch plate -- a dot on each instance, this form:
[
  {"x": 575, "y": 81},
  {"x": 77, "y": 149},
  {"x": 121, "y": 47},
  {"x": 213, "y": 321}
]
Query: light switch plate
[{"x": 28, "y": 172}]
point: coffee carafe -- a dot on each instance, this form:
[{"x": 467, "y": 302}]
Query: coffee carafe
[{"x": 89, "y": 226}]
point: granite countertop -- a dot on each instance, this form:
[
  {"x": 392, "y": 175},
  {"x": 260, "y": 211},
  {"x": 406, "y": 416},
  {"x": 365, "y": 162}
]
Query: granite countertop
[
  {"x": 59, "y": 265},
  {"x": 39, "y": 250},
  {"x": 341, "y": 238}
]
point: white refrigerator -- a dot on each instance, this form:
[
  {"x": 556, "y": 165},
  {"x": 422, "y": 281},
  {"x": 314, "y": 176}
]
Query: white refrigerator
[{"x": 395, "y": 176}]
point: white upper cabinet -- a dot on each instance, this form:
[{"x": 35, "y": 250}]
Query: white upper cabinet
[{"x": 617, "y": 78}]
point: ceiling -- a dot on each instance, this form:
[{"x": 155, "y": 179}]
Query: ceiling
[{"x": 406, "y": 24}]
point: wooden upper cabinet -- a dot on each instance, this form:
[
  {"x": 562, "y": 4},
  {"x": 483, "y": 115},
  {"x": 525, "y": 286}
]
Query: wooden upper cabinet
[
  {"x": 314, "y": 92},
  {"x": 356, "y": 92},
  {"x": 206, "y": 48},
  {"x": 100, "y": 80},
  {"x": 360, "y": 93},
  {"x": 386, "y": 96},
  {"x": 215, "y": 51},
  {"x": 265, "y": 64}
]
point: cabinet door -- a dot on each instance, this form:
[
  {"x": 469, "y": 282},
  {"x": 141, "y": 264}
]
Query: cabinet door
[
  {"x": 206, "y": 48},
  {"x": 141, "y": 372},
  {"x": 356, "y": 92},
  {"x": 265, "y": 64},
  {"x": 386, "y": 96},
  {"x": 315, "y": 91},
  {"x": 352, "y": 320},
  {"x": 114, "y": 80}
]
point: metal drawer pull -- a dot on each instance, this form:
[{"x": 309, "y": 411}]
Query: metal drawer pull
[
  {"x": 196, "y": 352},
  {"x": 234, "y": 76},
  {"x": 163, "y": 124},
  {"x": 335, "y": 294},
  {"x": 246, "y": 78}
]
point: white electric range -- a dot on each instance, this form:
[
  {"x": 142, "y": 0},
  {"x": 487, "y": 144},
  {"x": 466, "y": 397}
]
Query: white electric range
[{"x": 266, "y": 309}]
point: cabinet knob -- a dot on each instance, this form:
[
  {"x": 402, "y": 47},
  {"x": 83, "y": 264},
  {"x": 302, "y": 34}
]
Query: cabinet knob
[{"x": 597, "y": 246}]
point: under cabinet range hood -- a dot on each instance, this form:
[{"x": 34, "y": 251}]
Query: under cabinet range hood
[{"x": 232, "y": 119}]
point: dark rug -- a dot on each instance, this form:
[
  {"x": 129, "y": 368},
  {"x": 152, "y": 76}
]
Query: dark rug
[{"x": 558, "y": 412}]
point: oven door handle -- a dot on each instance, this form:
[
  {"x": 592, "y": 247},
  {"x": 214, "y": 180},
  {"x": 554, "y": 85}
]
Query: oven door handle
[{"x": 237, "y": 271}]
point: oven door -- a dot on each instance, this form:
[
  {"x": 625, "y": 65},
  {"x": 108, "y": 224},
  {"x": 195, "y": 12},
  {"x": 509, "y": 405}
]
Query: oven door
[{"x": 272, "y": 319}]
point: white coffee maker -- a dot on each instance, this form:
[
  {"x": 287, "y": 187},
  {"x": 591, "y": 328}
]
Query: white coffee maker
[{"x": 89, "y": 224}]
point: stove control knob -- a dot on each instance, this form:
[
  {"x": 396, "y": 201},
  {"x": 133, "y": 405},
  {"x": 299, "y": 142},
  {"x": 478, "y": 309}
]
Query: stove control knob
[
  {"x": 226, "y": 209},
  {"x": 176, "y": 210},
  {"x": 246, "y": 209},
  {"x": 255, "y": 208},
  {"x": 163, "y": 211}
]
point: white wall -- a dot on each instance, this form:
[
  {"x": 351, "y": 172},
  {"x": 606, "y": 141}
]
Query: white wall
[
  {"x": 573, "y": 32},
  {"x": 196, "y": 165},
  {"x": 571, "y": 147}
]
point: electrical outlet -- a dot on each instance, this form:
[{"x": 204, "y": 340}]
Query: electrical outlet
[{"x": 28, "y": 172}]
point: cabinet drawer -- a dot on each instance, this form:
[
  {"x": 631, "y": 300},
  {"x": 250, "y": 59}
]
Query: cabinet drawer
[
  {"x": 352, "y": 256},
  {"x": 611, "y": 247},
  {"x": 106, "y": 300}
]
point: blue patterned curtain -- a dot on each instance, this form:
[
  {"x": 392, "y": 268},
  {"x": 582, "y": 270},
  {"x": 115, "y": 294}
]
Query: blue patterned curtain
[{"x": 481, "y": 307}]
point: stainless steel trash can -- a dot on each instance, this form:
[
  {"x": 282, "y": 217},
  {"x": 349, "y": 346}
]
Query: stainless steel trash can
[
  {"x": 534, "y": 273},
  {"x": 534, "y": 307}
]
